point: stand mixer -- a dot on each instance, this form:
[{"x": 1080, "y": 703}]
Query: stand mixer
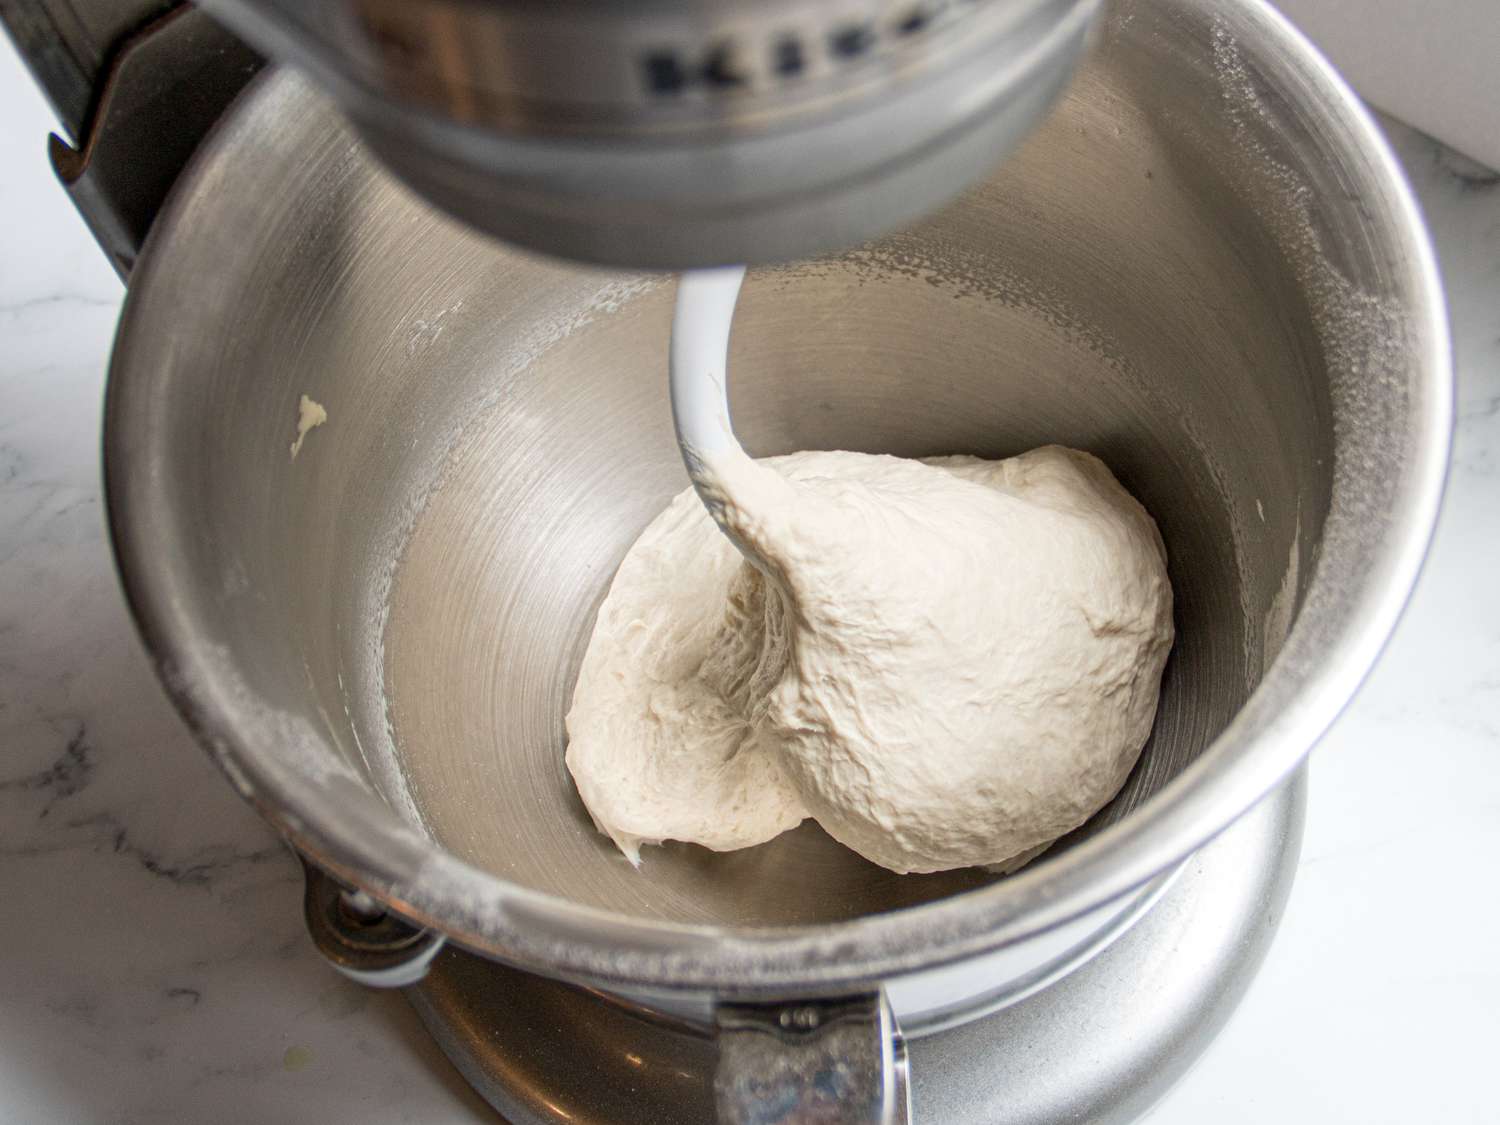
[
  {"x": 1277, "y": 346},
  {"x": 688, "y": 132}
]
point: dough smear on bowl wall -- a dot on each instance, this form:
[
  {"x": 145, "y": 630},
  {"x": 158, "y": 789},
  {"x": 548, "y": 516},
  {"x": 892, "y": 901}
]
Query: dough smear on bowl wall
[{"x": 947, "y": 663}]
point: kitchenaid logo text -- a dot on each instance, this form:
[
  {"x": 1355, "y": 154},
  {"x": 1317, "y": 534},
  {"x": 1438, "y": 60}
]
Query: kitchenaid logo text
[{"x": 730, "y": 63}]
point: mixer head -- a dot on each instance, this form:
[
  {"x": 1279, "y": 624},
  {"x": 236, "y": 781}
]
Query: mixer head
[{"x": 682, "y": 133}]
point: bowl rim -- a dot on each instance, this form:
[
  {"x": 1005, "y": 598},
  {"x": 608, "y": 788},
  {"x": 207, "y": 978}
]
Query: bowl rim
[{"x": 1325, "y": 658}]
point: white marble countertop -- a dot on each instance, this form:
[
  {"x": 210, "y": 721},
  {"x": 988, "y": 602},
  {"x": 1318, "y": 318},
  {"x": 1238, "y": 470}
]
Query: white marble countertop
[{"x": 155, "y": 964}]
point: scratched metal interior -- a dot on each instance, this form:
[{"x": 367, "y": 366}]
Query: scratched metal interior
[{"x": 1098, "y": 292}]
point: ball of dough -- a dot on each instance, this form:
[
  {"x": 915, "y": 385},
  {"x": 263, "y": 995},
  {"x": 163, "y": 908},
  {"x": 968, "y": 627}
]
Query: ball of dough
[
  {"x": 661, "y": 743},
  {"x": 947, "y": 663}
]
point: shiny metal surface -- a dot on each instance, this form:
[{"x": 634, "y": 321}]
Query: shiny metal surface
[
  {"x": 677, "y": 133},
  {"x": 809, "y": 1062},
  {"x": 1205, "y": 268},
  {"x": 361, "y": 939},
  {"x": 69, "y": 45},
  {"x": 934, "y": 998},
  {"x": 1101, "y": 1046},
  {"x": 165, "y": 87}
]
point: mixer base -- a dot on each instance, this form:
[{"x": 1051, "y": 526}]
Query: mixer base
[{"x": 1101, "y": 1045}]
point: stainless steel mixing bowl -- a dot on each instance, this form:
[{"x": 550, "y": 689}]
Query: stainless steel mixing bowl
[{"x": 1205, "y": 268}]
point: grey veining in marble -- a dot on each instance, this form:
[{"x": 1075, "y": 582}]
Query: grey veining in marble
[{"x": 155, "y": 967}]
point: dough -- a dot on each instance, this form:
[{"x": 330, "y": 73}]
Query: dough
[
  {"x": 310, "y": 415},
  {"x": 947, "y": 663}
]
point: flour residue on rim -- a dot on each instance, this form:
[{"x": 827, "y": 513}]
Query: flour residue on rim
[{"x": 1277, "y": 623}]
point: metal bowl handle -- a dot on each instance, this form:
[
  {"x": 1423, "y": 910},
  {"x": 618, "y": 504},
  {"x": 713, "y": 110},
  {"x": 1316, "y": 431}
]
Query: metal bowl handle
[{"x": 811, "y": 1063}]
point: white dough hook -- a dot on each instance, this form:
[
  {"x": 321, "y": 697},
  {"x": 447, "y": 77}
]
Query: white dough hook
[{"x": 699, "y": 382}]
